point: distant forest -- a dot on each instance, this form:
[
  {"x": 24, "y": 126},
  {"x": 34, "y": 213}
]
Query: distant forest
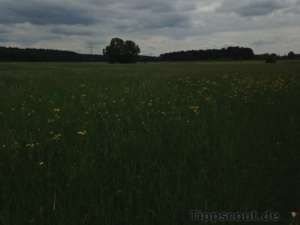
[
  {"x": 47, "y": 55},
  {"x": 17, "y": 54},
  {"x": 230, "y": 53}
]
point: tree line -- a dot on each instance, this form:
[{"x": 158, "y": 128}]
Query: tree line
[
  {"x": 38, "y": 55},
  {"x": 120, "y": 51}
]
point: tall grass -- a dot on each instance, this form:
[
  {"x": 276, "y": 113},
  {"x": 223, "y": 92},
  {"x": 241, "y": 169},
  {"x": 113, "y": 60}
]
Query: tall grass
[{"x": 145, "y": 143}]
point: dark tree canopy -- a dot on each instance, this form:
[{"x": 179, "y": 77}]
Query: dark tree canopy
[
  {"x": 291, "y": 55},
  {"x": 120, "y": 51},
  {"x": 272, "y": 58}
]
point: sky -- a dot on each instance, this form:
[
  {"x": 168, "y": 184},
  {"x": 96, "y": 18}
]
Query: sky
[{"x": 157, "y": 26}]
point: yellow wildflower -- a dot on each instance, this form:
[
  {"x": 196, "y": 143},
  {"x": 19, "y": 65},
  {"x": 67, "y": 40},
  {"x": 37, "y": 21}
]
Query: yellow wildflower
[
  {"x": 57, "y": 137},
  {"x": 57, "y": 110},
  {"x": 82, "y": 133},
  {"x": 29, "y": 145},
  {"x": 195, "y": 108}
]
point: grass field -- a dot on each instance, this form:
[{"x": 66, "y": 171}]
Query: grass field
[{"x": 143, "y": 144}]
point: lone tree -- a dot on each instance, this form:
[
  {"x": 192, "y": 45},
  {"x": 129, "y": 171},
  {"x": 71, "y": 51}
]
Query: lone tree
[
  {"x": 120, "y": 51},
  {"x": 291, "y": 55}
]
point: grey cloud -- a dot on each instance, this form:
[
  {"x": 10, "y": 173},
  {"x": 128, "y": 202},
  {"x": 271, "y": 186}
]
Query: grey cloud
[
  {"x": 155, "y": 7},
  {"x": 263, "y": 43},
  {"x": 25, "y": 33},
  {"x": 4, "y": 38},
  {"x": 4, "y": 30},
  {"x": 154, "y": 14},
  {"x": 171, "y": 20},
  {"x": 69, "y": 31},
  {"x": 163, "y": 24},
  {"x": 249, "y": 8}
]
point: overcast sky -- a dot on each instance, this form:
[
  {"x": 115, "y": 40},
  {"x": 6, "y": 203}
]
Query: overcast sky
[{"x": 156, "y": 25}]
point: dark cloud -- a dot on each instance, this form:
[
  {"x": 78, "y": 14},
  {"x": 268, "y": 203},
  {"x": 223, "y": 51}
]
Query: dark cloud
[
  {"x": 258, "y": 8},
  {"x": 42, "y": 13}
]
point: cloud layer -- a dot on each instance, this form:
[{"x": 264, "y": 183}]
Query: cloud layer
[{"x": 158, "y": 26}]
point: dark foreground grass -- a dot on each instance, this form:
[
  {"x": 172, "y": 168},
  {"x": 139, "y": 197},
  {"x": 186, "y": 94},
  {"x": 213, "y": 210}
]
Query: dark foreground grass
[{"x": 144, "y": 144}]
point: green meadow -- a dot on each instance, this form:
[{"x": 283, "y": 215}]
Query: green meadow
[{"x": 143, "y": 144}]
